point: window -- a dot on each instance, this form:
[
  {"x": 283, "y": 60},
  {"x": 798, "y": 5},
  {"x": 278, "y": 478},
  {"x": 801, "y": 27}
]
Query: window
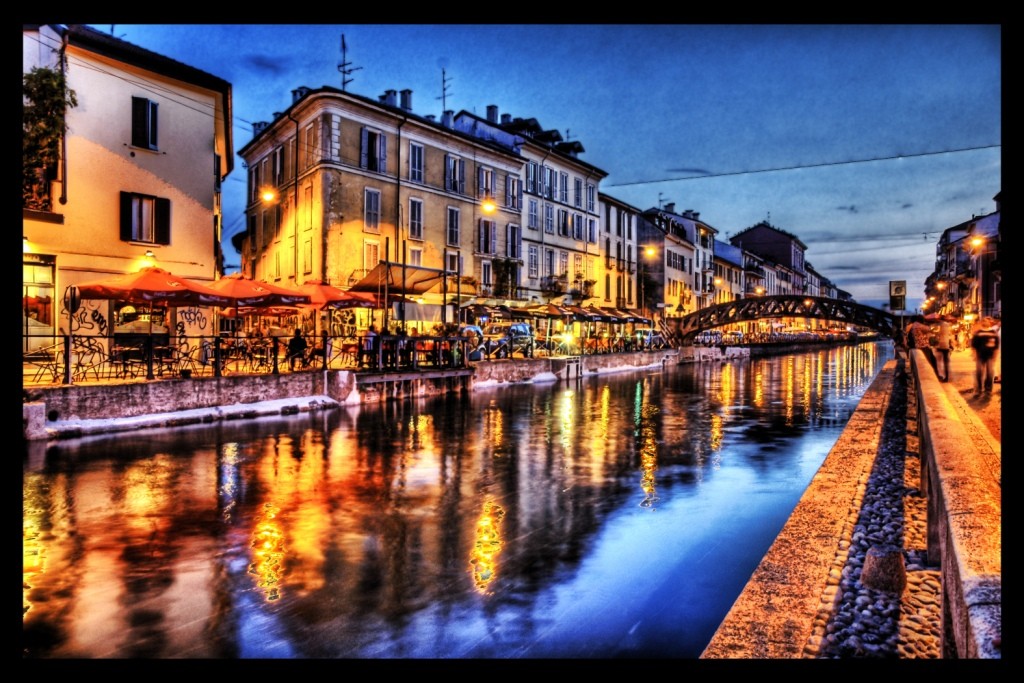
[
  {"x": 310, "y": 144},
  {"x": 371, "y": 210},
  {"x": 577, "y": 226},
  {"x": 279, "y": 166},
  {"x": 454, "y": 174},
  {"x": 484, "y": 182},
  {"x": 563, "y": 223},
  {"x": 415, "y": 162},
  {"x": 485, "y": 273},
  {"x": 591, "y": 192},
  {"x": 531, "y": 177},
  {"x": 415, "y": 256},
  {"x": 549, "y": 262},
  {"x": 592, "y": 231},
  {"x": 453, "y": 263},
  {"x": 550, "y": 182},
  {"x": 416, "y": 219},
  {"x": 513, "y": 192},
  {"x": 487, "y": 237},
  {"x": 513, "y": 241},
  {"x": 453, "y": 226},
  {"x": 307, "y": 256},
  {"x": 216, "y": 173},
  {"x": 144, "y": 123},
  {"x": 563, "y": 188},
  {"x": 145, "y": 219},
  {"x": 533, "y": 261},
  {"x": 577, "y": 266},
  {"x": 577, "y": 195},
  {"x": 373, "y": 154},
  {"x": 549, "y": 219},
  {"x": 533, "y": 215},
  {"x": 563, "y": 263},
  {"x": 371, "y": 255}
]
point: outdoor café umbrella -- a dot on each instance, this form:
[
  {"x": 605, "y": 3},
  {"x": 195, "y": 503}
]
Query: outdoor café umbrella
[
  {"x": 154, "y": 286},
  {"x": 322, "y": 294},
  {"x": 242, "y": 292}
]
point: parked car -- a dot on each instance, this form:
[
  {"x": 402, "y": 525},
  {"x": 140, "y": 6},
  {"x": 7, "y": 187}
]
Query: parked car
[
  {"x": 475, "y": 349},
  {"x": 503, "y": 339},
  {"x": 647, "y": 338}
]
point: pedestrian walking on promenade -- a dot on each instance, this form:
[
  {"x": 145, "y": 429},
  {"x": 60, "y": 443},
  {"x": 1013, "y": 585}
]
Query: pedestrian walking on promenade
[
  {"x": 918, "y": 337},
  {"x": 943, "y": 345},
  {"x": 985, "y": 343}
]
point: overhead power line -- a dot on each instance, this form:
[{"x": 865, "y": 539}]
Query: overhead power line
[{"x": 802, "y": 166}]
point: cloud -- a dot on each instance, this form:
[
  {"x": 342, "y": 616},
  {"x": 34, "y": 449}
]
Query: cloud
[{"x": 263, "y": 63}]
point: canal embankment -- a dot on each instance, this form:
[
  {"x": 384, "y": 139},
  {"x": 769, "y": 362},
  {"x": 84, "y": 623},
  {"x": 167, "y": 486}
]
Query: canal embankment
[{"x": 894, "y": 550}]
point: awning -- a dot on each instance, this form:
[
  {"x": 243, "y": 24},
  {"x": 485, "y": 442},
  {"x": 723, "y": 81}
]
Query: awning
[{"x": 398, "y": 279}]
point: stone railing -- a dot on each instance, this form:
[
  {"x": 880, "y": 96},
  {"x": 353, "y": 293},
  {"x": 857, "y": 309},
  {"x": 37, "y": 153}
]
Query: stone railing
[{"x": 961, "y": 476}]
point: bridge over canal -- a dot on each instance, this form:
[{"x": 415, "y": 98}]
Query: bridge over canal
[{"x": 783, "y": 306}]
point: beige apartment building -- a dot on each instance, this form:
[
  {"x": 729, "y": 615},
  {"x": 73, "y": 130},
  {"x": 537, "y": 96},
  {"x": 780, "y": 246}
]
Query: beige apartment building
[
  {"x": 366, "y": 195},
  {"x": 137, "y": 182}
]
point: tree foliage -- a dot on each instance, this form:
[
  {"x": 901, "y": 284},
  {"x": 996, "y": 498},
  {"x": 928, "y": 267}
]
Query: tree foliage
[{"x": 46, "y": 101}]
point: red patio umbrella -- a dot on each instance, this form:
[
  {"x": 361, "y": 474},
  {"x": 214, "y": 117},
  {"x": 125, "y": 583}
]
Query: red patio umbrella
[
  {"x": 154, "y": 286},
  {"x": 246, "y": 293},
  {"x": 322, "y": 294},
  {"x": 242, "y": 291}
]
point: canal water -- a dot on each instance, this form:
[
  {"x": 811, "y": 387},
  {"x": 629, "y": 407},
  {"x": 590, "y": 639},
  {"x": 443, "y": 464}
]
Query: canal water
[{"x": 615, "y": 516}]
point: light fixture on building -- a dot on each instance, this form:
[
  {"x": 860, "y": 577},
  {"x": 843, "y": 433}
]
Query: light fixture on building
[{"x": 150, "y": 254}]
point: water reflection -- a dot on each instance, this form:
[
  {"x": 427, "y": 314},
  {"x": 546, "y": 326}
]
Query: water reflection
[{"x": 489, "y": 525}]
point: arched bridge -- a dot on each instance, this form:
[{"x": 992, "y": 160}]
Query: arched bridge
[{"x": 787, "y": 306}]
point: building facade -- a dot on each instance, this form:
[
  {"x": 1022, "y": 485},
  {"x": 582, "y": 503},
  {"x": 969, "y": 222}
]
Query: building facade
[
  {"x": 138, "y": 179},
  {"x": 365, "y": 194}
]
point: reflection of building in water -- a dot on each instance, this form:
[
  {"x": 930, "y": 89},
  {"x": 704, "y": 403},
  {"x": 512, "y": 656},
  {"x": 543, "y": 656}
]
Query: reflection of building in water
[
  {"x": 488, "y": 544},
  {"x": 268, "y": 553}
]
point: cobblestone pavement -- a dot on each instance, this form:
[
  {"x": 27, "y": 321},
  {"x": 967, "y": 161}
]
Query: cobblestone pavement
[{"x": 870, "y": 622}]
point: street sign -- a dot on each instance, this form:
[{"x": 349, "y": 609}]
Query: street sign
[{"x": 897, "y": 287}]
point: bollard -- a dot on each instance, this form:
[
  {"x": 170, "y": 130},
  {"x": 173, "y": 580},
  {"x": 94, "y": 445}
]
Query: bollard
[{"x": 884, "y": 569}]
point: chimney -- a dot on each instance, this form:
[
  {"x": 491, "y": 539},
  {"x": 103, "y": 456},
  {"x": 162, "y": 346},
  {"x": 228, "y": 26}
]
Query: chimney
[
  {"x": 506, "y": 118},
  {"x": 407, "y": 99},
  {"x": 688, "y": 213},
  {"x": 446, "y": 118},
  {"x": 696, "y": 215},
  {"x": 430, "y": 117},
  {"x": 258, "y": 127},
  {"x": 390, "y": 98},
  {"x": 670, "y": 207},
  {"x": 299, "y": 93},
  {"x": 492, "y": 113}
]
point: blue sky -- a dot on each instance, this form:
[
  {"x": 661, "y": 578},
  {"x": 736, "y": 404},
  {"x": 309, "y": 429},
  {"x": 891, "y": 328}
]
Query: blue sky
[{"x": 865, "y": 141}]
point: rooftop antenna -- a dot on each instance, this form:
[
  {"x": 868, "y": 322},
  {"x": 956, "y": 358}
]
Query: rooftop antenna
[
  {"x": 660, "y": 201},
  {"x": 345, "y": 66},
  {"x": 444, "y": 90}
]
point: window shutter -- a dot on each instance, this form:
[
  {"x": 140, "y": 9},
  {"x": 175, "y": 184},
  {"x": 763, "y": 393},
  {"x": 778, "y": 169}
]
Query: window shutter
[
  {"x": 447, "y": 172},
  {"x": 363, "y": 142},
  {"x": 126, "y": 216},
  {"x": 480, "y": 181},
  {"x": 153, "y": 108},
  {"x": 462, "y": 176},
  {"x": 480, "y": 236},
  {"x": 494, "y": 237},
  {"x": 140, "y": 112},
  {"x": 382, "y": 148},
  {"x": 508, "y": 190},
  {"x": 163, "y": 221}
]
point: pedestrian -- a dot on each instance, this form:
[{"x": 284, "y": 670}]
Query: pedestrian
[
  {"x": 918, "y": 337},
  {"x": 296, "y": 349},
  {"x": 985, "y": 343},
  {"x": 943, "y": 345}
]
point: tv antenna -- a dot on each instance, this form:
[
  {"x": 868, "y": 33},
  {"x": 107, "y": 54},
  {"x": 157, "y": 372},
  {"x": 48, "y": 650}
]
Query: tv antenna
[
  {"x": 444, "y": 90},
  {"x": 345, "y": 66}
]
